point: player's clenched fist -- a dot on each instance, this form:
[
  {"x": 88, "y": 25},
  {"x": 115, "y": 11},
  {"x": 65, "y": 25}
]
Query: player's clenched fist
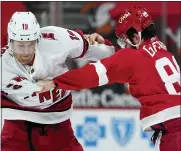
[
  {"x": 94, "y": 38},
  {"x": 46, "y": 85}
]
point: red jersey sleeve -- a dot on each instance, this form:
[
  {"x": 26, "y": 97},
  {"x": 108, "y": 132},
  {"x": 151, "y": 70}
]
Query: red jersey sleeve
[{"x": 117, "y": 68}]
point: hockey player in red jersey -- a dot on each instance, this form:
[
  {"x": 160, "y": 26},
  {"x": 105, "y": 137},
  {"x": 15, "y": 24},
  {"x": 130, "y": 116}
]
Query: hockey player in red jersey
[
  {"x": 37, "y": 120},
  {"x": 151, "y": 72}
]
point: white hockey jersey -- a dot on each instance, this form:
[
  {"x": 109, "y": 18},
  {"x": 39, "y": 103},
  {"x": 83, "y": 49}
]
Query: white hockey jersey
[{"x": 19, "y": 82}]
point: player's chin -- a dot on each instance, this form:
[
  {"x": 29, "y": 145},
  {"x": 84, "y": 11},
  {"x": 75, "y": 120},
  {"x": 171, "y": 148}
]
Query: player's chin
[{"x": 25, "y": 61}]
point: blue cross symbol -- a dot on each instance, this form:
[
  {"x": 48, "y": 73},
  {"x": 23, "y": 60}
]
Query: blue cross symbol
[{"x": 90, "y": 131}]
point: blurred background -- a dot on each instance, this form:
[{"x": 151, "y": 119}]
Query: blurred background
[{"x": 105, "y": 118}]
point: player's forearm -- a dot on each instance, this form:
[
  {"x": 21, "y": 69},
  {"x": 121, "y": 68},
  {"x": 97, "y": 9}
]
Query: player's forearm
[
  {"x": 77, "y": 79},
  {"x": 98, "y": 48},
  {"x": 20, "y": 89},
  {"x": 98, "y": 51},
  {"x": 92, "y": 75}
]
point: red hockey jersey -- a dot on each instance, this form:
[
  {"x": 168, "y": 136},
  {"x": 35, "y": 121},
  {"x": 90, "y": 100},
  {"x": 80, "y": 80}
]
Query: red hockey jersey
[{"x": 152, "y": 74}]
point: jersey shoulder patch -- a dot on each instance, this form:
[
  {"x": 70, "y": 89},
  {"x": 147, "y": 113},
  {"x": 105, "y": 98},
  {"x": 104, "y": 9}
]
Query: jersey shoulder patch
[{"x": 54, "y": 33}]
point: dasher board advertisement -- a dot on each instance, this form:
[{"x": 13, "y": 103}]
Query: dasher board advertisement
[{"x": 110, "y": 130}]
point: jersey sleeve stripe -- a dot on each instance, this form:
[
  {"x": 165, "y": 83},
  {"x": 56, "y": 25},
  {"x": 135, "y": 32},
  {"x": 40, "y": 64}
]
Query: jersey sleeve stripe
[
  {"x": 85, "y": 44},
  {"x": 101, "y": 72}
]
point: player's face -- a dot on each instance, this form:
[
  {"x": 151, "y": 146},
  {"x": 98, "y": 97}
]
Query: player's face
[
  {"x": 136, "y": 39},
  {"x": 24, "y": 50}
]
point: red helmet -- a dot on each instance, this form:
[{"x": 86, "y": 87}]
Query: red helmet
[{"x": 136, "y": 17}]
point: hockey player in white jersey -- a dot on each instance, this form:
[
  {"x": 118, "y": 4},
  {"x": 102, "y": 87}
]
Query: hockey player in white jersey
[{"x": 37, "y": 117}]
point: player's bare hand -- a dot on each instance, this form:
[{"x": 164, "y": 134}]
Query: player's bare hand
[
  {"x": 95, "y": 37},
  {"x": 86, "y": 36},
  {"x": 46, "y": 85}
]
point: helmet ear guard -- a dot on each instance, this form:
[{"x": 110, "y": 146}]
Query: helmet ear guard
[
  {"x": 137, "y": 18},
  {"x": 121, "y": 43}
]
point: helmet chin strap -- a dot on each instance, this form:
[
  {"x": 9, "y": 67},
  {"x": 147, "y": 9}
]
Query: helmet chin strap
[
  {"x": 122, "y": 43},
  {"x": 137, "y": 45}
]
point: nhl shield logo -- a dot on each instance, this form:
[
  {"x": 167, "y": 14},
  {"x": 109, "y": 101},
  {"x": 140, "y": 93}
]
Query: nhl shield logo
[{"x": 122, "y": 130}]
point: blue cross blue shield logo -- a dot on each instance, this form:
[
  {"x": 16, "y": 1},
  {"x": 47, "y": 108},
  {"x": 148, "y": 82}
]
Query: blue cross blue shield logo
[
  {"x": 90, "y": 131},
  {"x": 122, "y": 130}
]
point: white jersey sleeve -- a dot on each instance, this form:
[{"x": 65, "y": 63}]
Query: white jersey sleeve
[
  {"x": 74, "y": 45},
  {"x": 98, "y": 51},
  {"x": 67, "y": 40},
  {"x": 89, "y": 52}
]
